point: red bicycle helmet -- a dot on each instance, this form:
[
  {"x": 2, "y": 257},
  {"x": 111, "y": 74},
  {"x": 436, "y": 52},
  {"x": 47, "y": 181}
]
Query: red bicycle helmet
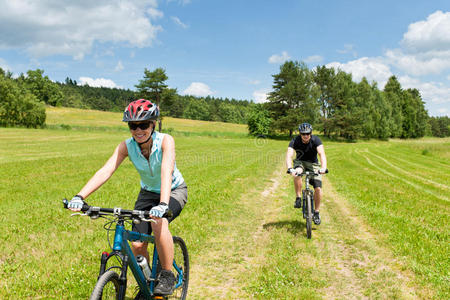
[{"x": 140, "y": 110}]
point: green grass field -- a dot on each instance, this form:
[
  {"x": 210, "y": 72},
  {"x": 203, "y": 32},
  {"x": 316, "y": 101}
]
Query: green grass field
[
  {"x": 385, "y": 231},
  {"x": 98, "y": 120}
]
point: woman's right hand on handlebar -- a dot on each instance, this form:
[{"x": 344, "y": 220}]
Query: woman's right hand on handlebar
[{"x": 76, "y": 203}]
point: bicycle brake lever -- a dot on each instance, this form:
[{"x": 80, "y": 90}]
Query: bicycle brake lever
[
  {"x": 78, "y": 214},
  {"x": 148, "y": 220}
]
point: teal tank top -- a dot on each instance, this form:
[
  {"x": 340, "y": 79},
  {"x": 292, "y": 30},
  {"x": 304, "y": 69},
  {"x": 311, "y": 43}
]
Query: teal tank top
[{"x": 150, "y": 170}]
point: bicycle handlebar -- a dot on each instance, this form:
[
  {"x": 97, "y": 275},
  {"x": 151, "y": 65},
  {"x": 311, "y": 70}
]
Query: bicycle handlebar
[
  {"x": 134, "y": 214},
  {"x": 312, "y": 173}
]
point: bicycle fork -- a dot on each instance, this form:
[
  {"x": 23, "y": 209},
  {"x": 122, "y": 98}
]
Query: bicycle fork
[{"x": 123, "y": 274}]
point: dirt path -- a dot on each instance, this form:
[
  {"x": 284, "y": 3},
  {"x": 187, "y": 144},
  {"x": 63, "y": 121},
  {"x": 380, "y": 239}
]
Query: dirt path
[
  {"x": 219, "y": 273},
  {"x": 349, "y": 256},
  {"x": 362, "y": 267}
]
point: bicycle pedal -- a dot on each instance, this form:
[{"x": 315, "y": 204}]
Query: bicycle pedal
[{"x": 158, "y": 297}]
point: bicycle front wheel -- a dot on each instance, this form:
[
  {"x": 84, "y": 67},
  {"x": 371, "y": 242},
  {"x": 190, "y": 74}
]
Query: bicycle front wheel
[
  {"x": 181, "y": 265},
  {"x": 107, "y": 286},
  {"x": 308, "y": 215}
]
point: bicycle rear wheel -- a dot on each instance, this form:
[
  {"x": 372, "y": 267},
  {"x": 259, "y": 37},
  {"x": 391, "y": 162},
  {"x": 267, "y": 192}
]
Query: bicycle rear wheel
[
  {"x": 308, "y": 215},
  {"x": 181, "y": 272},
  {"x": 107, "y": 286}
]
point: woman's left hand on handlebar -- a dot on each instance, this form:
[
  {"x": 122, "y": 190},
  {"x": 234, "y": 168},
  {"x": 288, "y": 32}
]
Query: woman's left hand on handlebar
[{"x": 160, "y": 210}]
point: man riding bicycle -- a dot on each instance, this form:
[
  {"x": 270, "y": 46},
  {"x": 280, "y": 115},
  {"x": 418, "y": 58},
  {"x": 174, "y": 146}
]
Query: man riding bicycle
[
  {"x": 162, "y": 185},
  {"x": 306, "y": 147}
]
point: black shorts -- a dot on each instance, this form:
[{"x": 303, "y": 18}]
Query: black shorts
[
  {"x": 146, "y": 200},
  {"x": 316, "y": 181}
]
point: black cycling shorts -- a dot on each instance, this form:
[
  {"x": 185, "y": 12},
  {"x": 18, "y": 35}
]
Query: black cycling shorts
[
  {"x": 316, "y": 181},
  {"x": 146, "y": 200}
]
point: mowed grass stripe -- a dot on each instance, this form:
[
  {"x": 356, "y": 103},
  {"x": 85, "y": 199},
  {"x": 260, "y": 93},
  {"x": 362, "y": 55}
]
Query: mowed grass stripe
[
  {"x": 418, "y": 182},
  {"x": 420, "y": 178},
  {"x": 431, "y": 175},
  {"x": 44, "y": 144},
  {"x": 392, "y": 191},
  {"x": 420, "y": 163},
  {"x": 434, "y": 150},
  {"x": 414, "y": 222}
]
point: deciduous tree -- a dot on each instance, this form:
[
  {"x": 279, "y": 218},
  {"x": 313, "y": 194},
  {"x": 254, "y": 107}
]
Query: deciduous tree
[
  {"x": 151, "y": 87},
  {"x": 294, "y": 97}
]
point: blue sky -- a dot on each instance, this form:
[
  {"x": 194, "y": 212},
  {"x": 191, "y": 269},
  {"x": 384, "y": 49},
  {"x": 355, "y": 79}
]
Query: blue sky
[{"x": 230, "y": 48}]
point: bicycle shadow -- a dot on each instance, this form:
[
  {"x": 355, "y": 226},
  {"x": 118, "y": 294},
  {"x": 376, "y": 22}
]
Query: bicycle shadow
[{"x": 294, "y": 227}]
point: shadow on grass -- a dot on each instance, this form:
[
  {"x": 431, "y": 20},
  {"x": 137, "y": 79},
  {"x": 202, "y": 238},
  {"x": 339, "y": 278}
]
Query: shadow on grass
[{"x": 295, "y": 227}]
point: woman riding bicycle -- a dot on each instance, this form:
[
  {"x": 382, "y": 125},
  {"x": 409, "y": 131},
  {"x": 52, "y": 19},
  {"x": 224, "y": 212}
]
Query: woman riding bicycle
[
  {"x": 162, "y": 185},
  {"x": 306, "y": 147}
]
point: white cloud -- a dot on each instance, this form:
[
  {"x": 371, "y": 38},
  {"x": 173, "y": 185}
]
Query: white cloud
[
  {"x": 154, "y": 13},
  {"x": 99, "y": 82},
  {"x": 435, "y": 92},
  {"x": 198, "y": 89},
  {"x": 4, "y": 65},
  {"x": 313, "y": 59},
  {"x": 430, "y": 35},
  {"x": 108, "y": 52},
  {"x": 119, "y": 66},
  {"x": 260, "y": 96},
  {"x": 425, "y": 49},
  {"x": 178, "y": 22},
  {"x": 278, "y": 59},
  {"x": 182, "y": 2},
  {"x": 65, "y": 27},
  {"x": 254, "y": 82},
  {"x": 432, "y": 62},
  {"x": 425, "y": 46},
  {"x": 348, "y": 48},
  {"x": 374, "y": 69},
  {"x": 444, "y": 111}
]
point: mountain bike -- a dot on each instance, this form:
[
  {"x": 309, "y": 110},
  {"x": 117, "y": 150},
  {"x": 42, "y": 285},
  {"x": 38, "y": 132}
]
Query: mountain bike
[
  {"x": 112, "y": 280},
  {"x": 308, "y": 200}
]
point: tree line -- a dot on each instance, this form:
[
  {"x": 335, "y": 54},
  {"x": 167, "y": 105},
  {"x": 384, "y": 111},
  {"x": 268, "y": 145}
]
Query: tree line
[
  {"x": 23, "y": 99},
  {"x": 327, "y": 98},
  {"x": 334, "y": 104}
]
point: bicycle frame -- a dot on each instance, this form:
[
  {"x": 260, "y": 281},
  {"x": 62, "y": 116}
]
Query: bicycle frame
[
  {"x": 122, "y": 249},
  {"x": 307, "y": 175}
]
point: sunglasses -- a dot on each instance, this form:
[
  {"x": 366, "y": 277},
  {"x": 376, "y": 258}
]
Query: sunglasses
[
  {"x": 143, "y": 126},
  {"x": 305, "y": 133}
]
